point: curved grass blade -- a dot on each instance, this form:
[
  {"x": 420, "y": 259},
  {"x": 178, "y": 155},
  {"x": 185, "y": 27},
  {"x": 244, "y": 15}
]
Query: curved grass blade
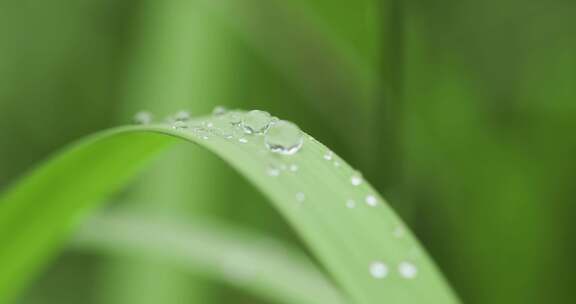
[
  {"x": 240, "y": 258},
  {"x": 345, "y": 223}
]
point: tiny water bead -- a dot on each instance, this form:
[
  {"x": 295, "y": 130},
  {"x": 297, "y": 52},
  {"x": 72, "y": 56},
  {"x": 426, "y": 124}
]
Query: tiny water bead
[
  {"x": 242, "y": 140},
  {"x": 350, "y": 204},
  {"x": 407, "y": 270},
  {"x": 256, "y": 122},
  {"x": 329, "y": 155},
  {"x": 398, "y": 232},
  {"x": 371, "y": 200},
  {"x": 208, "y": 124},
  {"x": 284, "y": 137},
  {"x": 294, "y": 167},
  {"x": 234, "y": 117},
  {"x": 143, "y": 118},
  {"x": 219, "y": 111},
  {"x": 356, "y": 179},
  {"x": 273, "y": 171},
  {"x": 179, "y": 125},
  {"x": 182, "y": 116},
  {"x": 300, "y": 197},
  {"x": 378, "y": 269}
]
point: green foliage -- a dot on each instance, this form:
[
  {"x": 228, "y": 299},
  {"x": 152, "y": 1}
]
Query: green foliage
[{"x": 313, "y": 198}]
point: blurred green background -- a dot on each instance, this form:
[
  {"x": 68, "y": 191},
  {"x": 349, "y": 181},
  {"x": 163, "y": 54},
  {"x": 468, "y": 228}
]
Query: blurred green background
[{"x": 462, "y": 113}]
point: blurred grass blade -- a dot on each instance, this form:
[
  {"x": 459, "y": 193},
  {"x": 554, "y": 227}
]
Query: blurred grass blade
[
  {"x": 253, "y": 263},
  {"x": 346, "y": 238}
]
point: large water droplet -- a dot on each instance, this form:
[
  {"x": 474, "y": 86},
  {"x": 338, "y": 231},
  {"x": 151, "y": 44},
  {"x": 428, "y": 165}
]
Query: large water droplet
[
  {"x": 284, "y": 137},
  {"x": 256, "y": 122},
  {"x": 143, "y": 118},
  {"x": 407, "y": 270},
  {"x": 378, "y": 269}
]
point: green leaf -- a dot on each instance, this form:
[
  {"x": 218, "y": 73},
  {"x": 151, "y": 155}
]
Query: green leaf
[
  {"x": 37, "y": 213},
  {"x": 240, "y": 258}
]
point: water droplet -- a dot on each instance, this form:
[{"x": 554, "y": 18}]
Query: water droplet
[
  {"x": 294, "y": 167},
  {"x": 284, "y": 137},
  {"x": 208, "y": 124},
  {"x": 180, "y": 125},
  {"x": 182, "y": 116},
  {"x": 336, "y": 164},
  {"x": 242, "y": 140},
  {"x": 371, "y": 200},
  {"x": 300, "y": 197},
  {"x": 407, "y": 270},
  {"x": 273, "y": 171},
  {"x": 350, "y": 204},
  {"x": 356, "y": 179},
  {"x": 329, "y": 155},
  {"x": 378, "y": 269},
  {"x": 219, "y": 110},
  {"x": 143, "y": 118},
  {"x": 234, "y": 117},
  {"x": 398, "y": 232},
  {"x": 256, "y": 122}
]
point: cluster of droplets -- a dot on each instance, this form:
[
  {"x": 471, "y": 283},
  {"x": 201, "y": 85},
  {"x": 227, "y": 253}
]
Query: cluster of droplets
[
  {"x": 280, "y": 137},
  {"x": 283, "y": 138},
  {"x": 381, "y": 270}
]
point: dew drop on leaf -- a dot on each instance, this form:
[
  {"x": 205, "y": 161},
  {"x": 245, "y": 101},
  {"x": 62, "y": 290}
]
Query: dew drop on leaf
[
  {"x": 378, "y": 269},
  {"x": 407, "y": 270},
  {"x": 329, "y": 155},
  {"x": 179, "y": 125},
  {"x": 182, "y": 116},
  {"x": 143, "y": 118},
  {"x": 242, "y": 140},
  {"x": 256, "y": 122},
  {"x": 398, "y": 232},
  {"x": 219, "y": 111},
  {"x": 350, "y": 204},
  {"x": 234, "y": 117},
  {"x": 294, "y": 167},
  {"x": 300, "y": 197},
  {"x": 284, "y": 137},
  {"x": 371, "y": 200},
  {"x": 356, "y": 179},
  {"x": 273, "y": 171}
]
